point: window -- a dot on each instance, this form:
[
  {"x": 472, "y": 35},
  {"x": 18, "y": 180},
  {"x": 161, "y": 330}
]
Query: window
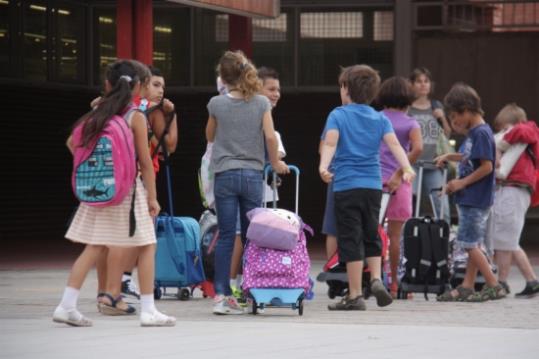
[
  {"x": 68, "y": 60},
  {"x": 208, "y": 45},
  {"x": 273, "y": 45},
  {"x": 171, "y": 44},
  {"x": 104, "y": 41},
  {"x": 35, "y": 54},
  {"x": 331, "y": 25},
  {"x": 330, "y": 40},
  {"x": 383, "y": 26}
]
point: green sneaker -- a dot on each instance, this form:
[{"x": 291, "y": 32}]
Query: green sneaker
[{"x": 238, "y": 294}]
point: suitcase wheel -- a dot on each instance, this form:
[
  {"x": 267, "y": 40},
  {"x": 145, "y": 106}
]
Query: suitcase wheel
[
  {"x": 183, "y": 294},
  {"x": 157, "y": 293}
]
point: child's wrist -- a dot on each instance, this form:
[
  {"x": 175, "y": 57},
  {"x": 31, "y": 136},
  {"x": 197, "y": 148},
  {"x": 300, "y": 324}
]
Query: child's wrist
[{"x": 408, "y": 169}]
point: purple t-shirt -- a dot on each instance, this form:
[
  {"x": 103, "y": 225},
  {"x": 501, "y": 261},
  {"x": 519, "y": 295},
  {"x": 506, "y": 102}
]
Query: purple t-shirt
[{"x": 402, "y": 125}]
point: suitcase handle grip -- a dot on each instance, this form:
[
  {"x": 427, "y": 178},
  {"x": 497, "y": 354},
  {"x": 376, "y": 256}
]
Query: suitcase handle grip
[{"x": 267, "y": 170}]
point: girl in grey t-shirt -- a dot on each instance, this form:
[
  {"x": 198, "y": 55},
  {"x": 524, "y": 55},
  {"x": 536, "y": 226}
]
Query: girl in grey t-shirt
[{"x": 239, "y": 123}]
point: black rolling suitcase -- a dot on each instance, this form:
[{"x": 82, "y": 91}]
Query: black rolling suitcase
[{"x": 426, "y": 250}]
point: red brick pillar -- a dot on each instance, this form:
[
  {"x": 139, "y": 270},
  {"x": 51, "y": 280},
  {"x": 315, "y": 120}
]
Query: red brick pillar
[{"x": 240, "y": 34}]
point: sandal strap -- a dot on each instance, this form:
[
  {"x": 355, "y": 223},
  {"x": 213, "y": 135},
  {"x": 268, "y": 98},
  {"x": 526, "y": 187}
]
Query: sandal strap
[{"x": 113, "y": 301}]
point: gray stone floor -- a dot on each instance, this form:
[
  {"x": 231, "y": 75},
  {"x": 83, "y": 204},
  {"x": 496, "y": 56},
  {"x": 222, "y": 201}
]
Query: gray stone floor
[{"x": 416, "y": 328}]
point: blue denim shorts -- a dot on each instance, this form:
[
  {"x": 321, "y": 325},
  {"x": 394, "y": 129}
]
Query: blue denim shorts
[{"x": 472, "y": 226}]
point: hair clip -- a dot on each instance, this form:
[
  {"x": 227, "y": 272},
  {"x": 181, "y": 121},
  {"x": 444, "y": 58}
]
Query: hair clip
[
  {"x": 243, "y": 65},
  {"x": 127, "y": 78}
]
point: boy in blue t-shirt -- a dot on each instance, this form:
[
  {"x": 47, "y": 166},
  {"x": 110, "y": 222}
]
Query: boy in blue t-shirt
[
  {"x": 353, "y": 135},
  {"x": 474, "y": 191}
]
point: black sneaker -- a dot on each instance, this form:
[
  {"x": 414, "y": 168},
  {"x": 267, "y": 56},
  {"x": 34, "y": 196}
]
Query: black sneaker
[
  {"x": 505, "y": 286},
  {"x": 380, "y": 292},
  {"x": 349, "y": 304},
  {"x": 129, "y": 288},
  {"x": 530, "y": 291}
]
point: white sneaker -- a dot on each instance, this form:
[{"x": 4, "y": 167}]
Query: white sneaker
[
  {"x": 227, "y": 305},
  {"x": 70, "y": 317},
  {"x": 156, "y": 319},
  {"x": 129, "y": 288}
]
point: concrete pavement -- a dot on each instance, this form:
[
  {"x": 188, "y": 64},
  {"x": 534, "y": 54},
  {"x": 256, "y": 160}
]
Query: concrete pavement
[{"x": 416, "y": 328}]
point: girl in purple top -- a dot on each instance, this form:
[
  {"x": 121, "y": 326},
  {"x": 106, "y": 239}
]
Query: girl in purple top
[{"x": 395, "y": 96}]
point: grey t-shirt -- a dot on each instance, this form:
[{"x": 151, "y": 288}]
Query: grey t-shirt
[
  {"x": 430, "y": 130},
  {"x": 239, "y": 138}
]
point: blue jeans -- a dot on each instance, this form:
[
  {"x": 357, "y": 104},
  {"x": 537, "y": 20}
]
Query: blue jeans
[
  {"x": 433, "y": 178},
  {"x": 234, "y": 189}
]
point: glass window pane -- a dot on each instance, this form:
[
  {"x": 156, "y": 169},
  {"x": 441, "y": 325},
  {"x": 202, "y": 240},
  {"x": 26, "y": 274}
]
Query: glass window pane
[
  {"x": 331, "y": 40},
  {"x": 326, "y": 25},
  {"x": 273, "y": 46},
  {"x": 171, "y": 44},
  {"x": 35, "y": 41},
  {"x": 69, "y": 43},
  {"x": 5, "y": 34},
  {"x": 383, "y": 26},
  {"x": 208, "y": 49},
  {"x": 105, "y": 40}
]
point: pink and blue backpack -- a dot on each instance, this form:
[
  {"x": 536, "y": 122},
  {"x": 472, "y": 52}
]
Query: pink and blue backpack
[{"x": 104, "y": 172}]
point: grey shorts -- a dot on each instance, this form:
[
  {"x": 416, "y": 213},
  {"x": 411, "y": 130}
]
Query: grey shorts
[{"x": 507, "y": 217}]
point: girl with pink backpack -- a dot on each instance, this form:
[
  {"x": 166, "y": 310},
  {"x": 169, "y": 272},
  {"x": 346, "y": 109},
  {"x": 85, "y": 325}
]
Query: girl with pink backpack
[{"x": 116, "y": 212}]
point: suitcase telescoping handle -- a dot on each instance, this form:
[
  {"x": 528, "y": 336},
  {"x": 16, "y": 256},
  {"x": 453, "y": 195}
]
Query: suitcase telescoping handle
[
  {"x": 421, "y": 165},
  {"x": 267, "y": 171},
  {"x": 386, "y": 196}
]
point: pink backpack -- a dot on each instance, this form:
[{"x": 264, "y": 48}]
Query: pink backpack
[
  {"x": 273, "y": 268},
  {"x": 105, "y": 171}
]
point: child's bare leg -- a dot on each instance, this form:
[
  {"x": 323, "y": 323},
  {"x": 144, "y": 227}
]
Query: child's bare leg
[
  {"x": 115, "y": 266},
  {"x": 83, "y": 264},
  {"x": 130, "y": 260},
  {"x": 375, "y": 267},
  {"x": 523, "y": 263},
  {"x": 503, "y": 261},
  {"x": 146, "y": 270},
  {"x": 101, "y": 267},
  {"x": 470, "y": 274},
  {"x": 355, "y": 275},
  {"x": 476, "y": 256},
  {"x": 331, "y": 245}
]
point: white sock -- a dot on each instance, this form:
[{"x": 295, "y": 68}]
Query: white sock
[
  {"x": 233, "y": 282},
  {"x": 239, "y": 280},
  {"x": 147, "y": 303},
  {"x": 69, "y": 299},
  {"x": 125, "y": 277}
]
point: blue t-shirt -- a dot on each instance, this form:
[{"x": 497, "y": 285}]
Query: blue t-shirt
[
  {"x": 479, "y": 145},
  {"x": 357, "y": 161}
]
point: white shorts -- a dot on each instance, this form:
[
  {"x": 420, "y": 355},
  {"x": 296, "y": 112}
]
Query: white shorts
[{"x": 507, "y": 218}]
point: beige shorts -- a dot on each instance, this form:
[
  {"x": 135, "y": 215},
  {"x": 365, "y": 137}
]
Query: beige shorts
[{"x": 507, "y": 218}]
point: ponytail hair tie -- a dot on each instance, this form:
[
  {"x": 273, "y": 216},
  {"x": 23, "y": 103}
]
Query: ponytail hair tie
[
  {"x": 127, "y": 78},
  {"x": 243, "y": 65}
]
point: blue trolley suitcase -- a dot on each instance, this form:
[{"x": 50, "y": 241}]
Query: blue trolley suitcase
[{"x": 178, "y": 258}]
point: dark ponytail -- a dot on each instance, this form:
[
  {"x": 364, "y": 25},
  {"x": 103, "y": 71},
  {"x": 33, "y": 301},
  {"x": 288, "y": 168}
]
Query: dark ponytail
[{"x": 122, "y": 77}]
